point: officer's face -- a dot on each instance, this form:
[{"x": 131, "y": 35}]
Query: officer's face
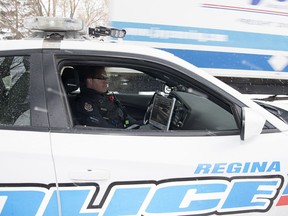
[{"x": 99, "y": 82}]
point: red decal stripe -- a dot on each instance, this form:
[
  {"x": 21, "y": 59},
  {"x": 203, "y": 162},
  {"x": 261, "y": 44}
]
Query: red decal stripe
[
  {"x": 283, "y": 201},
  {"x": 245, "y": 9}
]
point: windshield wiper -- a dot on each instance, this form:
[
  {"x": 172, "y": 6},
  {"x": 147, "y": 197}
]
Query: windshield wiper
[{"x": 272, "y": 98}]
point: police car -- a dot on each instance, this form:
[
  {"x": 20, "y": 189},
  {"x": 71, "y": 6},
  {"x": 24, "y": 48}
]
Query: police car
[{"x": 203, "y": 148}]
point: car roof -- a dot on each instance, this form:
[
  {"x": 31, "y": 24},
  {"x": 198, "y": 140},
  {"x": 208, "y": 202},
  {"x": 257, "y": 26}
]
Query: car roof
[
  {"x": 78, "y": 44},
  {"x": 7, "y": 45}
]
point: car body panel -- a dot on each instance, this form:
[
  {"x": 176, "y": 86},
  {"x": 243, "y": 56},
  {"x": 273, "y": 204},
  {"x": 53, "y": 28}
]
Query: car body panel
[
  {"x": 156, "y": 160},
  {"x": 20, "y": 153},
  {"x": 27, "y": 170}
]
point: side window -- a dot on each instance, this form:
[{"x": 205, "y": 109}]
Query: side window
[
  {"x": 14, "y": 90},
  {"x": 129, "y": 81},
  {"x": 151, "y": 97}
]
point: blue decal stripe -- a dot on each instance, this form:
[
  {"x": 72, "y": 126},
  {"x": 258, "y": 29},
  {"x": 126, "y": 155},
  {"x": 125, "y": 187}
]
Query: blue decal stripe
[
  {"x": 286, "y": 191},
  {"x": 202, "y": 36}
]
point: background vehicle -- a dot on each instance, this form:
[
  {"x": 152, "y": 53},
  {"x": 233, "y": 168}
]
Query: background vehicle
[
  {"x": 243, "y": 43},
  {"x": 222, "y": 153}
]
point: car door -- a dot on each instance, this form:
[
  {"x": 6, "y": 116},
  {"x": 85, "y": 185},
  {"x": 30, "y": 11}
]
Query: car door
[
  {"x": 194, "y": 171},
  {"x": 27, "y": 179}
]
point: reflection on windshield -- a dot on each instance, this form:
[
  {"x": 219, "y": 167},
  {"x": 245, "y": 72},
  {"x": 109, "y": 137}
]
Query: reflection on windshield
[{"x": 278, "y": 112}]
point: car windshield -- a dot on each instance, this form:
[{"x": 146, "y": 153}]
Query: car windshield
[{"x": 278, "y": 112}]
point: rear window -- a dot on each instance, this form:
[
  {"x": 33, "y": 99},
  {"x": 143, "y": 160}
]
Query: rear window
[{"x": 14, "y": 90}]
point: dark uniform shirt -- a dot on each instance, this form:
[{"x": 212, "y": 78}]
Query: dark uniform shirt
[{"x": 101, "y": 110}]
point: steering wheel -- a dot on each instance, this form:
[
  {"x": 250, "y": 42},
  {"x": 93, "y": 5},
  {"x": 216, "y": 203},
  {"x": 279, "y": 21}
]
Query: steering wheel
[{"x": 148, "y": 110}]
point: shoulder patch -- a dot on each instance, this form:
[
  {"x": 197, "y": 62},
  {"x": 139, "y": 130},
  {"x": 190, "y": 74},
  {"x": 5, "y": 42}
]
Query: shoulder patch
[{"x": 88, "y": 107}]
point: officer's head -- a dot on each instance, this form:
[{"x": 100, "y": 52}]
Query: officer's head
[{"x": 94, "y": 77}]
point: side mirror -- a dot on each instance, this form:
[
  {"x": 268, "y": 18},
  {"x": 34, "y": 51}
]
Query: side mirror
[{"x": 252, "y": 123}]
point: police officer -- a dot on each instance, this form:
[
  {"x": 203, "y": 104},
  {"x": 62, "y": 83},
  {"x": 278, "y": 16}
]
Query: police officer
[{"x": 97, "y": 107}]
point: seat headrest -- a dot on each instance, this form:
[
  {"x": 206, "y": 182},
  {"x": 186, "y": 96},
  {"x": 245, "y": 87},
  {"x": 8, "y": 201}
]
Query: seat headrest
[{"x": 70, "y": 79}]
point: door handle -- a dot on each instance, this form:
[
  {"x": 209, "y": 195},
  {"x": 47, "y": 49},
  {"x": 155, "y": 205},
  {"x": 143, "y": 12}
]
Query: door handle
[{"x": 90, "y": 174}]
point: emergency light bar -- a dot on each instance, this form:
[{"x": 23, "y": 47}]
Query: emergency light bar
[
  {"x": 105, "y": 31},
  {"x": 53, "y": 24},
  {"x": 59, "y": 28}
]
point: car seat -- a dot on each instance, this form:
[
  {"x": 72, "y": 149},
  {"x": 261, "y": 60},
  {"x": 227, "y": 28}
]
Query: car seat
[{"x": 71, "y": 83}]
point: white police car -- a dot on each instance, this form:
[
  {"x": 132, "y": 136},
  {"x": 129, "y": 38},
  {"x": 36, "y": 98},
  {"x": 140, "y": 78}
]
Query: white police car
[{"x": 205, "y": 150}]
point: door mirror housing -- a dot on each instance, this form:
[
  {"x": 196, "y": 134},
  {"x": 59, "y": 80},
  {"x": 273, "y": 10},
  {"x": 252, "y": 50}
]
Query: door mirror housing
[{"x": 252, "y": 123}]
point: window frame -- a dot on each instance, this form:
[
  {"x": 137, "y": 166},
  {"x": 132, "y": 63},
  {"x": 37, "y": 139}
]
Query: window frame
[{"x": 116, "y": 59}]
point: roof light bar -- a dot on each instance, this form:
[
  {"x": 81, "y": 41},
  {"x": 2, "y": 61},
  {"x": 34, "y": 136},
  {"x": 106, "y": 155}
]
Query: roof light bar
[
  {"x": 105, "y": 31},
  {"x": 53, "y": 24}
]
